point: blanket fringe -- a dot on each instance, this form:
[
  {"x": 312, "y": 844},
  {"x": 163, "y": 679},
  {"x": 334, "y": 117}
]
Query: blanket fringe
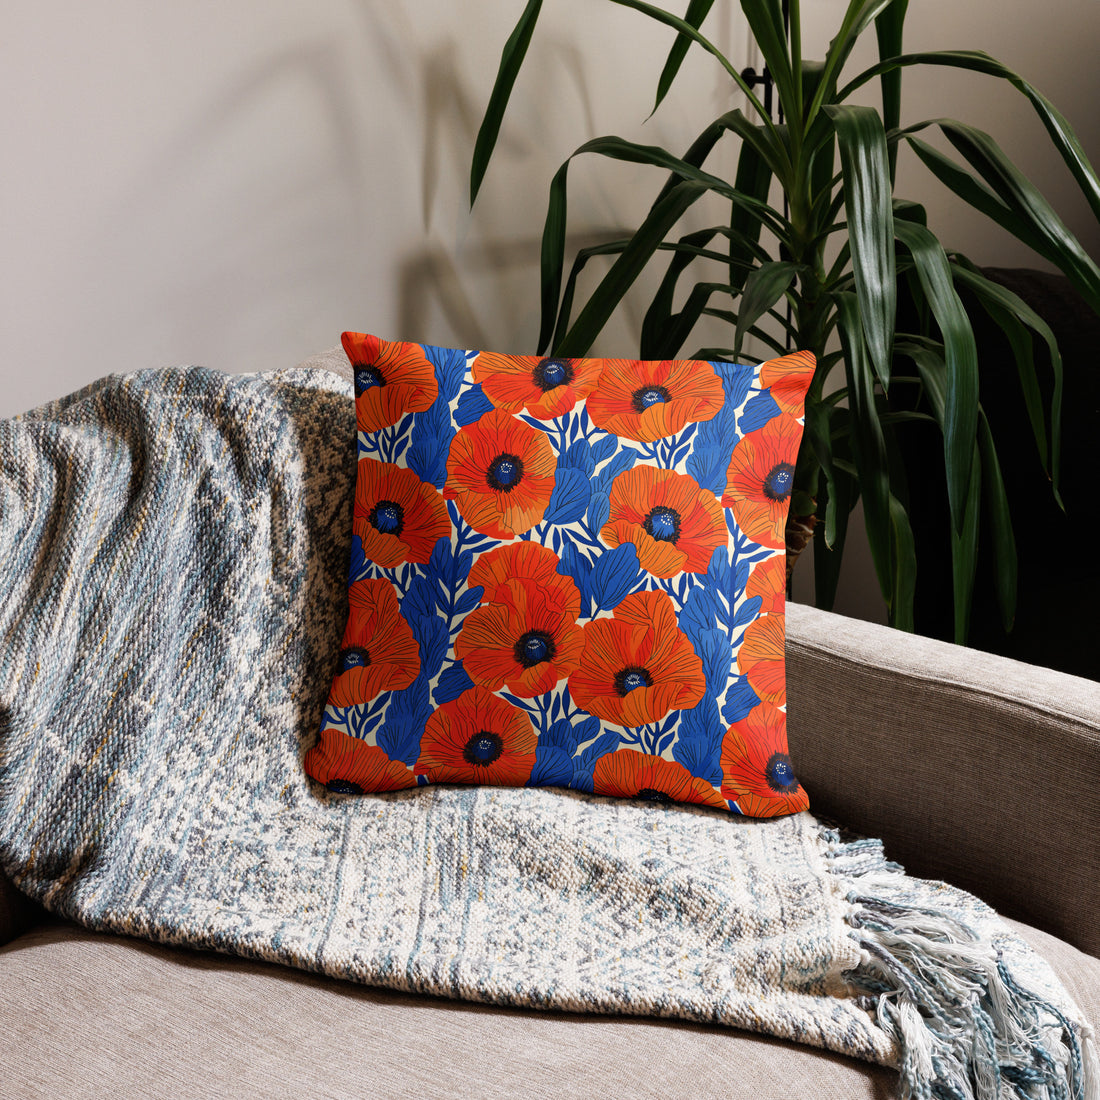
[{"x": 964, "y": 1024}]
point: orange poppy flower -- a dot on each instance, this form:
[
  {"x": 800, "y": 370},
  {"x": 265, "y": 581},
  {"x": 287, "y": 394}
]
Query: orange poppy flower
[
  {"x": 379, "y": 652},
  {"x": 762, "y": 658},
  {"x": 397, "y": 516},
  {"x": 768, "y": 580},
  {"x": 390, "y": 380},
  {"x": 788, "y": 378},
  {"x": 478, "y": 738},
  {"x": 760, "y": 479},
  {"x": 650, "y": 400},
  {"x": 674, "y": 524},
  {"x": 756, "y": 769},
  {"x": 528, "y": 562},
  {"x": 526, "y": 638},
  {"x": 356, "y": 766},
  {"x": 545, "y": 387},
  {"x": 638, "y": 665},
  {"x": 627, "y": 773},
  {"x": 500, "y": 472}
]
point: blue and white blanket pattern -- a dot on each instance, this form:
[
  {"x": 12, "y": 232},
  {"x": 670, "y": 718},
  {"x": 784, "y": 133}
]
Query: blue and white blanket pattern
[{"x": 173, "y": 560}]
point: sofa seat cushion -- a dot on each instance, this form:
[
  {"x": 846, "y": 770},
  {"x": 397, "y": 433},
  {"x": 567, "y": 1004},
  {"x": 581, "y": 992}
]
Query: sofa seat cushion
[{"x": 83, "y": 1013}]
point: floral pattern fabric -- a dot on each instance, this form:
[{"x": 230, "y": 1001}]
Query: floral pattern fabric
[{"x": 567, "y": 572}]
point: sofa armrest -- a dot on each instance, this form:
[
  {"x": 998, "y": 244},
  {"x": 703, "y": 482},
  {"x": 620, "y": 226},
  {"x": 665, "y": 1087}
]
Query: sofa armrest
[
  {"x": 971, "y": 767},
  {"x": 17, "y": 911}
]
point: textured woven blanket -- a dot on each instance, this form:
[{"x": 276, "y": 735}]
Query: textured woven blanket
[{"x": 173, "y": 553}]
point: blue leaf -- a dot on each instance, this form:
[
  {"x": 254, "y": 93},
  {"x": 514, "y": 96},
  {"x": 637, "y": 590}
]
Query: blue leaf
[
  {"x": 578, "y": 457},
  {"x": 699, "y": 748},
  {"x": 452, "y": 684},
  {"x": 570, "y": 497},
  {"x": 450, "y": 369},
  {"x": 409, "y": 710},
  {"x": 748, "y": 611},
  {"x": 604, "y": 448},
  {"x": 360, "y": 567},
  {"x": 562, "y": 736},
  {"x": 713, "y": 649},
  {"x": 599, "y": 511},
  {"x": 553, "y": 767},
  {"x": 717, "y": 437},
  {"x": 469, "y": 600},
  {"x": 698, "y": 615},
  {"x": 614, "y": 575},
  {"x": 472, "y": 405},
  {"x": 574, "y": 564},
  {"x": 431, "y": 442},
  {"x": 609, "y": 742},
  {"x": 622, "y": 462},
  {"x": 758, "y": 412},
  {"x": 585, "y": 731},
  {"x": 740, "y": 699}
]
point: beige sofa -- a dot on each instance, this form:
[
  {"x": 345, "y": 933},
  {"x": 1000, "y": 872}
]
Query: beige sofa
[{"x": 973, "y": 768}]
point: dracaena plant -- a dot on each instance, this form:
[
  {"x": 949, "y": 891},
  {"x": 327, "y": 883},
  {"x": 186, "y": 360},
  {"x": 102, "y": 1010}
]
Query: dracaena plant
[{"x": 813, "y": 246}]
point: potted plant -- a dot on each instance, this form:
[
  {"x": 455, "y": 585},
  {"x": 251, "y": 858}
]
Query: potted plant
[{"x": 820, "y": 268}]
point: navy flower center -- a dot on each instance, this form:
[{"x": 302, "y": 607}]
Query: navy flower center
[
  {"x": 388, "y": 517},
  {"x": 779, "y": 482},
  {"x": 534, "y": 647},
  {"x": 343, "y": 786},
  {"x": 651, "y": 794},
  {"x": 631, "y": 678},
  {"x": 551, "y": 373},
  {"x": 648, "y": 396},
  {"x": 780, "y": 774},
  {"x": 354, "y": 657},
  {"x": 663, "y": 524},
  {"x": 367, "y": 377},
  {"x": 505, "y": 472},
  {"x": 483, "y": 748}
]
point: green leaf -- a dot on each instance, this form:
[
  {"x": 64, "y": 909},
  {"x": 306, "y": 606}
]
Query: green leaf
[
  {"x": 856, "y": 20},
  {"x": 1003, "y": 539},
  {"x": 553, "y": 254},
  {"x": 974, "y": 192},
  {"x": 903, "y": 561},
  {"x": 1001, "y": 297},
  {"x": 964, "y": 551},
  {"x": 627, "y": 267},
  {"x": 687, "y": 30},
  {"x": 515, "y": 50},
  {"x": 763, "y": 288},
  {"x": 1061, "y": 133},
  {"x": 869, "y": 206},
  {"x": 867, "y": 441},
  {"x": 765, "y": 19},
  {"x": 697, "y": 11},
  {"x": 889, "y": 25},
  {"x": 1021, "y": 196},
  {"x": 960, "y": 418},
  {"x": 754, "y": 177}
]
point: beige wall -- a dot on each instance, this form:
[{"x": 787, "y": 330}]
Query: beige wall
[{"x": 233, "y": 183}]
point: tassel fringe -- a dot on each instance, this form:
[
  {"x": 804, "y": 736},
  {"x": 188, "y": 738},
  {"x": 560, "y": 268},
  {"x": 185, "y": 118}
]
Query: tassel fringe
[{"x": 964, "y": 1022}]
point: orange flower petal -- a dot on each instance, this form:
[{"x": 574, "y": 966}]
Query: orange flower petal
[
  {"x": 478, "y": 738},
  {"x": 339, "y": 757},
  {"x": 546, "y": 387},
  {"x": 627, "y": 773},
  {"x": 762, "y": 658},
  {"x": 788, "y": 378},
  {"x": 391, "y": 380}
]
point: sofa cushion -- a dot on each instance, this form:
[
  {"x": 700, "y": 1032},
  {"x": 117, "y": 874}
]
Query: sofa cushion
[
  {"x": 567, "y": 573},
  {"x": 80, "y": 1009}
]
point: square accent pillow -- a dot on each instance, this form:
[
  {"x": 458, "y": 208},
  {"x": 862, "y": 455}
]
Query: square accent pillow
[{"x": 567, "y": 572}]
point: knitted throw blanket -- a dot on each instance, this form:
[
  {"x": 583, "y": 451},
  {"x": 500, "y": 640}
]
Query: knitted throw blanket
[{"x": 173, "y": 554}]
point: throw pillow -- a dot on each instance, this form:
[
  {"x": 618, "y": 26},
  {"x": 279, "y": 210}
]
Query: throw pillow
[{"x": 567, "y": 572}]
